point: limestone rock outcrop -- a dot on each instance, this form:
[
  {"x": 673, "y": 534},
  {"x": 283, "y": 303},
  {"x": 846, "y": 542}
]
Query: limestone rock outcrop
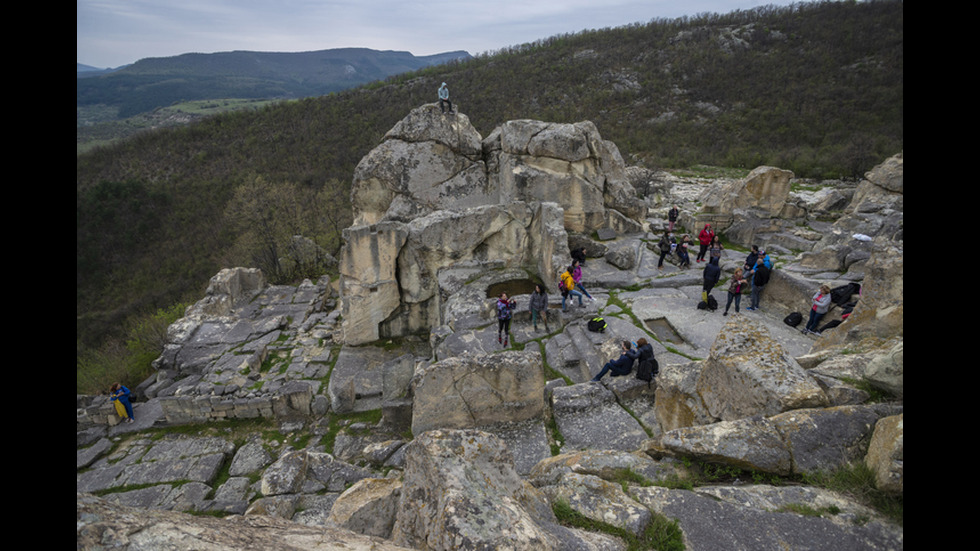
[{"x": 434, "y": 196}]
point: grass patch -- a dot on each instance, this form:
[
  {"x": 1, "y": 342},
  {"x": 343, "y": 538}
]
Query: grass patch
[
  {"x": 661, "y": 534},
  {"x": 857, "y": 481},
  {"x": 339, "y": 422}
]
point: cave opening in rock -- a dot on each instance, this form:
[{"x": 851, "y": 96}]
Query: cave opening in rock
[{"x": 512, "y": 287}]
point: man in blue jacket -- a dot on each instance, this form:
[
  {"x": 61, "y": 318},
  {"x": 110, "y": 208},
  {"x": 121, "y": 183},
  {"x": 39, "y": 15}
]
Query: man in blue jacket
[
  {"x": 444, "y": 99},
  {"x": 621, "y": 366}
]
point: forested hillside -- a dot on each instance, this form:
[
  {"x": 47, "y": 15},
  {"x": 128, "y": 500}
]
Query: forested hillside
[{"x": 814, "y": 88}]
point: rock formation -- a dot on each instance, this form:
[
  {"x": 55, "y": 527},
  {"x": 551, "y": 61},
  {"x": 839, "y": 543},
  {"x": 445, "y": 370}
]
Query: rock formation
[
  {"x": 392, "y": 418},
  {"x": 434, "y": 197}
]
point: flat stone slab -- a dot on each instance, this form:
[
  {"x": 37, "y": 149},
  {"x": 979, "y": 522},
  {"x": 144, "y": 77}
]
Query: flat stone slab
[{"x": 588, "y": 416}]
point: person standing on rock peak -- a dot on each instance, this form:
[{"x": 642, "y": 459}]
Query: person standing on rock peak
[{"x": 444, "y": 99}]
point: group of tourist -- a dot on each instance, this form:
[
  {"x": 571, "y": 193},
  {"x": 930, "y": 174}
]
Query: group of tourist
[
  {"x": 709, "y": 246},
  {"x": 570, "y": 285}
]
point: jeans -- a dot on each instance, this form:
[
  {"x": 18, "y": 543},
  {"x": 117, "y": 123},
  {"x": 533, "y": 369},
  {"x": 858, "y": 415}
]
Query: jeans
[
  {"x": 811, "y": 325},
  {"x": 581, "y": 288},
  {"x": 534, "y": 317},
  {"x": 616, "y": 372},
  {"x": 756, "y": 293},
  {"x": 736, "y": 297},
  {"x": 573, "y": 292}
]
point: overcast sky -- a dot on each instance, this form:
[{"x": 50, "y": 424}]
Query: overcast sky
[{"x": 110, "y": 33}]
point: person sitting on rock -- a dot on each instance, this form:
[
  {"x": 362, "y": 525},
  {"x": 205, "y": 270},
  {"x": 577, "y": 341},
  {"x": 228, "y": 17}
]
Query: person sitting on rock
[
  {"x": 621, "y": 366},
  {"x": 444, "y": 99}
]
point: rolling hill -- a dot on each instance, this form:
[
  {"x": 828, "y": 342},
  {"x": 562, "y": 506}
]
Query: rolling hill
[
  {"x": 814, "y": 88},
  {"x": 156, "y": 82}
]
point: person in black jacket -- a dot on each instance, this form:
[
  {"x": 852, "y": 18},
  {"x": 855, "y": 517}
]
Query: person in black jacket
[
  {"x": 759, "y": 280},
  {"x": 621, "y": 366},
  {"x": 712, "y": 273}
]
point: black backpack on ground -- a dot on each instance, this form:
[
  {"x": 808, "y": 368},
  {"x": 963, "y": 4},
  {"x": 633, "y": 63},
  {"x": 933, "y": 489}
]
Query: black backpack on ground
[
  {"x": 647, "y": 370},
  {"x": 711, "y": 304},
  {"x": 793, "y": 319},
  {"x": 597, "y": 325}
]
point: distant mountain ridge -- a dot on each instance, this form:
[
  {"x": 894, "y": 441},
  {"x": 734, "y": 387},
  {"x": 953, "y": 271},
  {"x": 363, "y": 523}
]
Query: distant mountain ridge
[{"x": 155, "y": 82}]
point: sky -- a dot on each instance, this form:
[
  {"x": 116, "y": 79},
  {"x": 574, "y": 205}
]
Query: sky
[{"x": 112, "y": 33}]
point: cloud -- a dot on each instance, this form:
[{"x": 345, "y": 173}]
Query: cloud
[{"x": 110, "y": 33}]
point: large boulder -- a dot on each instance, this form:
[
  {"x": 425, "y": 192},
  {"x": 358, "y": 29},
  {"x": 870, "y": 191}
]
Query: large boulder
[
  {"x": 391, "y": 271},
  {"x": 879, "y": 316},
  {"x": 460, "y": 491},
  {"x": 886, "y": 454},
  {"x": 796, "y": 442},
  {"x": 433, "y": 196},
  {"x": 568, "y": 163},
  {"x": 479, "y": 391},
  {"x": 747, "y": 373},
  {"x": 423, "y": 163},
  {"x": 765, "y": 190}
]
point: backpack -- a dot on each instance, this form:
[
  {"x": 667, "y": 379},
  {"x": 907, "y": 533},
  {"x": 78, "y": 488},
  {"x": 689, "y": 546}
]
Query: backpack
[
  {"x": 793, "y": 319},
  {"x": 597, "y": 325},
  {"x": 647, "y": 370},
  {"x": 711, "y": 304}
]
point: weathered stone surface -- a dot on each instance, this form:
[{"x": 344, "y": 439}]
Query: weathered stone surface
[
  {"x": 765, "y": 188},
  {"x": 368, "y": 507},
  {"x": 748, "y": 373},
  {"x": 886, "y": 454},
  {"x": 460, "y": 492},
  {"x": 709, "y": 523},
  {"x": 887, "y": 371},
  {"x": 588, "y": 416},
  {"x": 101, "y": 525},
  {"x": 479, "y": 391},
  {"x": 794, "y": 442},
  {"x": 599, "y": 500},
  {"x": 753, "y": 443}
]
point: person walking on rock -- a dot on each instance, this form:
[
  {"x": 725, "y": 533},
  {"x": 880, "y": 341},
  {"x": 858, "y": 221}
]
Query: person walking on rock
[
  {"x": 735, "y": 290},
  {"x": 705, "y": 238},
  {"x": 715, "y": 249},
  {"x": 505, "y": 311},
  {"x": 621, "y": 366},
  {"x": 760, "y": 277},
  {"x": 672, "y": 218},
  {"x": 577, "y": 276},
  {"x": 444, "y": 99},
  {"x": 667, "y": 244},
  {"x": 122, "y": 394},
  {"x": 567, "y": 286},
  {"x": 539, "y": 306}
]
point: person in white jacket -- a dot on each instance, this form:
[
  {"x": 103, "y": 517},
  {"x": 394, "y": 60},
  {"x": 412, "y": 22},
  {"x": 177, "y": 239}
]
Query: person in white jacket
[{"x": 821, "y": 303}]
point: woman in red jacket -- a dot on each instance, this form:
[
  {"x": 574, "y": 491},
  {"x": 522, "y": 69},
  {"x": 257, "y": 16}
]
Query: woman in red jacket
[{"x": 705, "y": 238}]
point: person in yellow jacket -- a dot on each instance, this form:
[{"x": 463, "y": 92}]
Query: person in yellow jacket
[{"x": 567, "y": 286}]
